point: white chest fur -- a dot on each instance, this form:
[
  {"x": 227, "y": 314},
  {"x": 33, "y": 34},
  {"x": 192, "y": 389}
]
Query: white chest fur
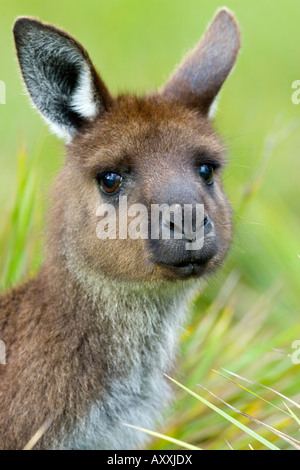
[
  {"x": 146, "y": 347},
  {"x": 103, "y": 427}
]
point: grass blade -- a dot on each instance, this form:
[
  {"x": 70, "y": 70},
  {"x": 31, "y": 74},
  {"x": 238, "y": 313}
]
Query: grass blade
[
  {"x": 292, "y": 414},
  {"x": 183, "y": 444},
  {"x": 264, "y": 386},
  {"x": 280, "y": 434},
  {"x": 252, "y": 393},
  {"x": 226, "y": 416}
]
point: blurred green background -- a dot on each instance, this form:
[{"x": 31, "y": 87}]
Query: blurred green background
[{"x": 135, "y": 44}]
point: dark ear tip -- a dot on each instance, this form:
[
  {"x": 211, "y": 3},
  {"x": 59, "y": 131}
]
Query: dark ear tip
[
  {"x": 23, "y": 24},
  {"x": 19, "y": 25}
]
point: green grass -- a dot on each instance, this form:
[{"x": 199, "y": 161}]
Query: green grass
[{"x": 247, "y": 318}]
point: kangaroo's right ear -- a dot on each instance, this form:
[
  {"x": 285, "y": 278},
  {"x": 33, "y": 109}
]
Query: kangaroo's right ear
[{"x": 59, "y": 76}]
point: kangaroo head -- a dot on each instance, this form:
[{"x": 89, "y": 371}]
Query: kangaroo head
[{"x": 125, "y": 154}]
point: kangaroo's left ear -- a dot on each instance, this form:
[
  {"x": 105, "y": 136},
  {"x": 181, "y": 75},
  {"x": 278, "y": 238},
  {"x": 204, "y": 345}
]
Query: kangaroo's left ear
[
  {"x": 59, "y": 76},
  {"x": 199, "y": 78}
]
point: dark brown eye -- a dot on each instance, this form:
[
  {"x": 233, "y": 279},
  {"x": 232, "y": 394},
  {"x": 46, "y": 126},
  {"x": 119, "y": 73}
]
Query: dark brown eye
[
  {"x": 207, "y": 173},
  {"x": 109, "y": 182}
]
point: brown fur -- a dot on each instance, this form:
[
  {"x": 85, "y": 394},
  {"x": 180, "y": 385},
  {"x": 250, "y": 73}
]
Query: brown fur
[{"x": 58, "y": 344}]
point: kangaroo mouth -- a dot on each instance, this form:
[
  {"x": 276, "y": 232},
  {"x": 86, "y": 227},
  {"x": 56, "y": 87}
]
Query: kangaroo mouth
[{"x": 185, "y": 269}]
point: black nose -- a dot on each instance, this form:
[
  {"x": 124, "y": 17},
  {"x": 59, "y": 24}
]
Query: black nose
[
  {"x": 178, "y": 227},
  {"x": 185, "y": 238}
]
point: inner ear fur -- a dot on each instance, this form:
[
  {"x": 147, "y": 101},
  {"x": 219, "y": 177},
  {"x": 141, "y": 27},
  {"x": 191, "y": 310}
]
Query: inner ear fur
[{"x": 59, "y": 75}]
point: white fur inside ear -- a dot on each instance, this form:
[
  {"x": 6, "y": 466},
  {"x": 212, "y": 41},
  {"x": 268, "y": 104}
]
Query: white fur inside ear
[
  {"x": 83, "y": 100},
  {"x": 62, "y": 132},
  {"x": 214, "y": 107}
]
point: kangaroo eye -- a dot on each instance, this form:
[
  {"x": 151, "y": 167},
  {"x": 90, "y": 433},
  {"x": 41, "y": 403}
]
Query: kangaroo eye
[
  {"x": 207, "y": 173},
  {"x": 109, "y": 182}
]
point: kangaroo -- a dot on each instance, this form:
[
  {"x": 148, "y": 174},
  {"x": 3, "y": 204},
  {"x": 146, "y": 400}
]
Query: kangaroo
[{"x": 89, "y": 338}]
